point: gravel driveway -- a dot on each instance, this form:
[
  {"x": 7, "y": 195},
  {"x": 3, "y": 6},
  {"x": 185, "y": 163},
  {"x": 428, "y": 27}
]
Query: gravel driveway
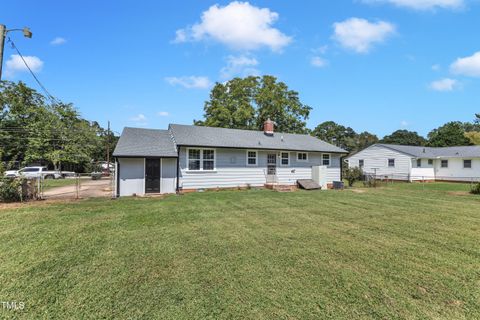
[{"x": 88, "y": 189}]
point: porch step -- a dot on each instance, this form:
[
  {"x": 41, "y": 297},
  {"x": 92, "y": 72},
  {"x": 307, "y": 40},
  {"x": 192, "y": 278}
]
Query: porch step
[{"x": 280, "y": 188}]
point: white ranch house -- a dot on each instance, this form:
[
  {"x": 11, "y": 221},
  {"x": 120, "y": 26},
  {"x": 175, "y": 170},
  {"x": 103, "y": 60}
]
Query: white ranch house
[
  {"x": 412, "y": 163},
  {"x": 187, "y": 158}
]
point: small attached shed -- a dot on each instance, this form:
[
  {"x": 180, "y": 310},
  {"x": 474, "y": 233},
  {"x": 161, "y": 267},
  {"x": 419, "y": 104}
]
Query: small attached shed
[{"x": 146, "y": 162}]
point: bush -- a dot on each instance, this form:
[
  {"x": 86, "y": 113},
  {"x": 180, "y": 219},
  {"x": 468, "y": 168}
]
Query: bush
[
  {"x": 10, "y": 190},
  {"x": 15, "y": 190},
  {"x": 352, "y": 175},
  {"x": 475, "y": 189}
]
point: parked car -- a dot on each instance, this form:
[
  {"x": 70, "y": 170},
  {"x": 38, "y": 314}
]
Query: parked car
[{"x": 35, "y": 172}]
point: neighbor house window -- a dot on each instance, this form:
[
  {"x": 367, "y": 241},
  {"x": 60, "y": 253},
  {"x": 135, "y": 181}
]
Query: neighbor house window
[
  {"x": 285, "y": 158},
  {"x": 252, "y": 158},
  {"x": 361, "y": 163},
  {"x": 467, "y": 164},
  {"x": 444, "y": 164},
  {"x": 201, "y": 159},
  {"x": 326, "y": 159},
  {"x": 419, "y": 163},
  {"x": 430, "y": 162},
  {"x": 302, "y": 156},
  {"x": 391, "y": 162}
]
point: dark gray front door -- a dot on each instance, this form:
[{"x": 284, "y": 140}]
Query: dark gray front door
[{"x": 152, "y": 175}]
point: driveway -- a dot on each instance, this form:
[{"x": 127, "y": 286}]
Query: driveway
[{"x": 88, "y": 189}]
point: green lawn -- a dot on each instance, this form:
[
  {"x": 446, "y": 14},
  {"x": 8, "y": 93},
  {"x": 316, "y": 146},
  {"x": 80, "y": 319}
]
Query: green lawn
[
  {"x": 53, "y": 183},
  {"x": 398, "y": 252}
]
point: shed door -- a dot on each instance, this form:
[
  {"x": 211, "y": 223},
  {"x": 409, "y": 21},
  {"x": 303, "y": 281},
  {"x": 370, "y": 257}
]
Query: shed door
[{"x": 152, "y": 175}]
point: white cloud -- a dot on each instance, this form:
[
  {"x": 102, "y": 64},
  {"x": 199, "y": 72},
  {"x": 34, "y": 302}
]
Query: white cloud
[
  {"x": 444, "y": 85},
  {"x": 190, "y": 82},
  {"x": 239, "y": 25},
  {"x": 360, "y": 35},
  {"x": 242, "y": 65},
  {"x": 58, "y": 41},
  {"x": 436, "y": 67},
  {"x": 163, "y": 114},
  {"x": 468, "y": 66},
  {"x": 422, "y": 4},
  {"x": 318, "y": 62},
  {"x": 139, "y": 119},
  {"x": 404, "y": 123},
  {"x": 15, "y": 65}
]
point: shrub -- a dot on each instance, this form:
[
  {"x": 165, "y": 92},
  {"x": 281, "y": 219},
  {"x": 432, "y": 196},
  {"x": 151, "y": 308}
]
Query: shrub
[
  {"x": 10, "y": 190},
  {"x": 14, "y": 190},
  {"x": 475, "y": 189},
  {"x": 352, "y": 175}
]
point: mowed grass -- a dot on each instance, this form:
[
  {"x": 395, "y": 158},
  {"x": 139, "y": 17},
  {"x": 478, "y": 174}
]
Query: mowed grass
[{"x": 396, "y": 252}]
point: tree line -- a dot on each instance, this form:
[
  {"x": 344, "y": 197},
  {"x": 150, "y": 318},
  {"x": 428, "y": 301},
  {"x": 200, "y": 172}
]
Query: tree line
[
  {"x": 35, "y": 130},
  {"x": 245, "y": 103}
]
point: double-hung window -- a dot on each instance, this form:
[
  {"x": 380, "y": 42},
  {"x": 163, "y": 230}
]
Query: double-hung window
[
  {"x": 419, "y": 163},
  {"x": 444, "y": 164},
  {"x": 252, "y": 158},
  {"x": 325, "y": 159},
  {"x": 201, "y": 159},
  {"x": 467, "y": 164},
  {"x": 361, "y": 163},
  {"x": 391, "y": 163},
  {"x": 285, "y": 158},
  {"x": 302, "y": 156}
]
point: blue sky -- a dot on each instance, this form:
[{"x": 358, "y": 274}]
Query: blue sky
[{"x": 375, "y": 65}]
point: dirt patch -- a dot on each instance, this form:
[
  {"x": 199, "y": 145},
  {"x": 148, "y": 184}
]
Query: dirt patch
[
  {"x": 358, "y": 190},
  {"x": 33, "y": 203},
  {"x": 458, "y": 193}
]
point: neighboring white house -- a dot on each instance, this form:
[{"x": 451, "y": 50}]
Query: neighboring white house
[
  {"x": 412, "y": 163},
  {"x": 186, "y": 157}
]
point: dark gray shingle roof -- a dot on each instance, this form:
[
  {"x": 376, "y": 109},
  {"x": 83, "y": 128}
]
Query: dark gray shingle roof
[
  {"x": 136, "y": 142},
  {"x": 444, "y": 152},
  {"x": 247, "y": 139}
]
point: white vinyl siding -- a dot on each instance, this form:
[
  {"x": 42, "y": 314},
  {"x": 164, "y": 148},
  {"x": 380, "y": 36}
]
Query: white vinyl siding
[
  {"x": 376, "y": 160},
  {"x": 132, "y": 176},
  {"x": 232, "y": 171}
]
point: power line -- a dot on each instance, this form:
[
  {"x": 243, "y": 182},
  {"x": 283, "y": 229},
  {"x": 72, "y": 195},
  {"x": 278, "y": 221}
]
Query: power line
[{"x": 52, "y": 98}]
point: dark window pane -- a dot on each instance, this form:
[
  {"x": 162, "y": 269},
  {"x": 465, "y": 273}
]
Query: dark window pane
[
  {"x": 194, "y": 165},
  {"x": 208, "y": 154},
  {"x": 467, "y": 164},
  {"x": 194, "y": 154},
  {"x": 207, "y": 165}
]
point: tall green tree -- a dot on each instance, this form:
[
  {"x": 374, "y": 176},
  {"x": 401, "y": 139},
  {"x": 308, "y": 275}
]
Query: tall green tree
[
  {"x": 365, "y": 140},
  {"x": 450, "y": 134},
  {"x": 245, "y": 103},
  {"x": 336, "y": 134},
  {"x": 404, "y": 137}
]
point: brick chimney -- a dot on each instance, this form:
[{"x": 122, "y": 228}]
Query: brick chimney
[{"x": 268, "y": 127}]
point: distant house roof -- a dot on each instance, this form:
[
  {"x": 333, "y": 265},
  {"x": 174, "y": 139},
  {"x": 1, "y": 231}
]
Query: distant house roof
[
  {"x": 430, "y": 152},
  {"x": 136, "y": 142},
  {"x": 248, "y": 139}
]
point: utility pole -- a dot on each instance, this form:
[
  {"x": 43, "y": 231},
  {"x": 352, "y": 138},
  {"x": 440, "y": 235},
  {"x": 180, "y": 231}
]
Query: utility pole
[
  {"x": 108, "y": 147},
  {"x": 3, "y": 33}
]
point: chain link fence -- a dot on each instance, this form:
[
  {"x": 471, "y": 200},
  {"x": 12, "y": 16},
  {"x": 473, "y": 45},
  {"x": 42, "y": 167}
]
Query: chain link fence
[
  {"x": 75, "y": 186},
  {"x": 376, "y": 180}
]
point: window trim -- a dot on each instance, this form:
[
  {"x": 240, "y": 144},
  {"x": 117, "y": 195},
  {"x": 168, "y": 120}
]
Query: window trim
[
  {"x": 302, "y": 160},
  {"x": 329, "y": 159},
  {"x": 281, "y": 158},
  {"x": 201, "y": 160},
  {"x": 256, "y": 158},
  {"x": 441, "y": 163},
  {"x": 388, "y": 163},
  {"x": 471, "y": 164}
]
